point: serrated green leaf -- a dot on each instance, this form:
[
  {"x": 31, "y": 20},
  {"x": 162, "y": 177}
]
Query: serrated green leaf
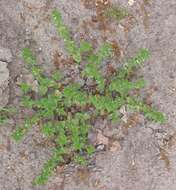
[
  {"x": 142, "y": 55},
  {"x": 57, "y": 76},
  {"x": 48, "y": 129},
  {"x": 28, "y": 56},
  {"x": 114, "y": 117},
  {"x": 104, "y": 52},
  {"x": 27, "y": 101},
  {"x": 123, "y": 86},
  {"x": 48, "y": 168},
  {"x": 18, "y": 134},
  {"x": 25, "y": 87},
  {"x": 90, "y": 150},
  {"x": 80, "y": 160},
  {"x": 85, "y": 46},
  {"x": 148, "y": 111},
  {"x": 57, "y": 18}
]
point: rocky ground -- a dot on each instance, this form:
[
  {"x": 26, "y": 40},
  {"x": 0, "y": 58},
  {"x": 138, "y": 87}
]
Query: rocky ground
[{"x": 142, "y": 156}]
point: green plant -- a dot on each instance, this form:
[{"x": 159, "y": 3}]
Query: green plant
[
  {"x": 117, "y": 13},
  {"x": 65, "y": 111},
  {"x": 5, "y": 114}
]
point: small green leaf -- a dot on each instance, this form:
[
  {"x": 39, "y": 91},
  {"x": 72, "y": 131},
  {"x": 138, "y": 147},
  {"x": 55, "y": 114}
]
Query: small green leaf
[
  {"x": 142, "y": 55},
  {"x": 48, "y": 168},
  {"x": 90, "y": 150},
  {"x": 5, "y": 114},
  {"x": 114, "y": 117},
  {"x": 25, "y": 87},
  {"x": 63, "y": 31},
  {"x": 80, "y": 160},
  {"x": 62, "y": 140},
  {"x": 92, "y": 59},
  {"x": 104, "y": 52},
  {"x": 18, "y": 134},
  {"x": 28, "y": 56},
  {"x": 48, "y": 129},
  {"x": 123, "y": 86},
  {"x": 57, "y": 76},
  {"x": 43, "y": 89},
  {"x": 148, "y": 111},
  {"x": 77, "y": 57},
  {"x": 57, "y": 18},
  {"x": 27, "y": 101},
  {"x": 85, "y": 46},
  {"x": 36, "y": 72}
]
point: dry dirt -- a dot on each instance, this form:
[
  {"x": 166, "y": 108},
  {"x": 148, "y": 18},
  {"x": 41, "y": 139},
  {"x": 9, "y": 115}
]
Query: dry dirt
[{"x": 145, "y": 158}]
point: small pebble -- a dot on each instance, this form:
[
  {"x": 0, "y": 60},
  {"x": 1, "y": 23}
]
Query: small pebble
[{"x": 100, "y": 147}]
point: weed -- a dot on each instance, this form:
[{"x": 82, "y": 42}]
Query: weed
[
  {"x": 63, "y": 110},
  {"x": 65, "y": 34},
  {"x": 117, "y": 13},
  {"x": 5, "y": 114}
]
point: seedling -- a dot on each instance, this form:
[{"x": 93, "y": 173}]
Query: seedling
[
  {"x": 65, "y": 111},
  {"x": 117, "y": 13}
]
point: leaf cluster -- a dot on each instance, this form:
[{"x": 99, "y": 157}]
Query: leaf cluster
[{"x": 63, "y": 110}]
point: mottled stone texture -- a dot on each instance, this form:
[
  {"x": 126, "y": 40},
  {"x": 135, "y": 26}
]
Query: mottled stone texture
[{"x": 5, "y": 58}]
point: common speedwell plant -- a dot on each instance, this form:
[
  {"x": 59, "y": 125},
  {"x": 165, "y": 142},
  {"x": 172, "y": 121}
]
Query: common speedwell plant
[{"x": 66, "y": 112}]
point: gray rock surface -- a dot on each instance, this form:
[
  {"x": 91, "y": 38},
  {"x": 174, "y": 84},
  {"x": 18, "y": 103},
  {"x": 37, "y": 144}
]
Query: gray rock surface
[
  {"x": 5, "y": 55},
  {"x": 4, "y": 84}
]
